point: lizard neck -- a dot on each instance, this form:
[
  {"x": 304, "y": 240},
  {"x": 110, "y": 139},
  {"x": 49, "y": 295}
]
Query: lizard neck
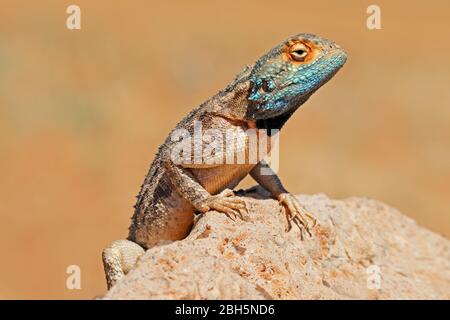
[
  {"x": 279, "y": 121},
  {"x": 273, "y": 123},
  {"x": 233, "y": 103}
]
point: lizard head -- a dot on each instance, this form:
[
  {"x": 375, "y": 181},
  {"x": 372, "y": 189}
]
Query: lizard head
[{"x": 290, "y": 73}]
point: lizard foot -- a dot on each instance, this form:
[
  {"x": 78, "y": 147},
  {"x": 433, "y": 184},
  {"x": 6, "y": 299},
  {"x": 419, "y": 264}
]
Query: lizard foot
[
  {"x": 225, "y": 202},
  {"x": 296, "y": 214}
]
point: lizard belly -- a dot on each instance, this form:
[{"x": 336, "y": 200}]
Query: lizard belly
[{"x": 216, "y": 179}]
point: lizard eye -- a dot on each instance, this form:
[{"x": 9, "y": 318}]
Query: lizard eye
[{"x": 298, "y": 52}]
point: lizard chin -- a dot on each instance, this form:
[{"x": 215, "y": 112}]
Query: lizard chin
[{"x": 288, "y": 108}]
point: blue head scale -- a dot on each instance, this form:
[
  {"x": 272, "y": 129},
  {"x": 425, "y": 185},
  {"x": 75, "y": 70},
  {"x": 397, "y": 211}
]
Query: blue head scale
[{"x": 287, "y": 76}]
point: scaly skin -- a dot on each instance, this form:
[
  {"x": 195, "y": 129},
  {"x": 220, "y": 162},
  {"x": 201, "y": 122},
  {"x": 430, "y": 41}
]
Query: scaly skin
[{"x": 263, "y": 96}]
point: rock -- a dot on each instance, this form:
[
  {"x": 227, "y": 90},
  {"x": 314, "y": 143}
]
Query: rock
[{"x": 360, "y": 249}]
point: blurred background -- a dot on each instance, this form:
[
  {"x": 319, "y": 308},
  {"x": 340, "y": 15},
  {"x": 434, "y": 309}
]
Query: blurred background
[{"x": 82, "y": 113}]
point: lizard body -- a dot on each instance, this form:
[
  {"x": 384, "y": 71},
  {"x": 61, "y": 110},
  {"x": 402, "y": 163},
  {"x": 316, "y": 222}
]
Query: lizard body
[{"x": 263, "y": 96}]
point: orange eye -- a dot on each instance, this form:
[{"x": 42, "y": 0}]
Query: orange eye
[{"x": 298, "y": 52}]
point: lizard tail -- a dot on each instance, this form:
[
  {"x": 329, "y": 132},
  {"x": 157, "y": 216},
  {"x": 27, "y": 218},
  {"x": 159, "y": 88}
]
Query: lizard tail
[{"x": 119, "y": 258}]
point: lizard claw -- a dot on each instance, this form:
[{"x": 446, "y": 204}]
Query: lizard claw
[
  {"x": 227, "y": 203},
  {"x": 297, "y": 214}
]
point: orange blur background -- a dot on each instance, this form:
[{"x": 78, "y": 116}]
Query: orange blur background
[{"x": 82, "y": 113}]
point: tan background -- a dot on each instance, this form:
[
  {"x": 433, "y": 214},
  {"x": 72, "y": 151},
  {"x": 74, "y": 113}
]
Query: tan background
[{"x": 83, "y": 112}]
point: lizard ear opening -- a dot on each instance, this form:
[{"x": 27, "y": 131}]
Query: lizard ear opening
[{"x": 263, "y": 101}]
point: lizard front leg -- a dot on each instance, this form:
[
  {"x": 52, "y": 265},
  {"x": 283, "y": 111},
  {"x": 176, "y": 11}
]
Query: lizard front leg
[
  {"x": 190, "y": 189},
  {"x": 295, "y": 211}
]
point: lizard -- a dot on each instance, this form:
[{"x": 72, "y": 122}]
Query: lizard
[{"x": 263, "y": 96}]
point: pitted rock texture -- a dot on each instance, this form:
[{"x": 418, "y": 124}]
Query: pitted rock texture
[{"x": 360, "y": 249}]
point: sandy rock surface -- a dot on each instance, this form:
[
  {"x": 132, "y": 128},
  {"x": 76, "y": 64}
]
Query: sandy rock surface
[{"x": 360, "y": 249}]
